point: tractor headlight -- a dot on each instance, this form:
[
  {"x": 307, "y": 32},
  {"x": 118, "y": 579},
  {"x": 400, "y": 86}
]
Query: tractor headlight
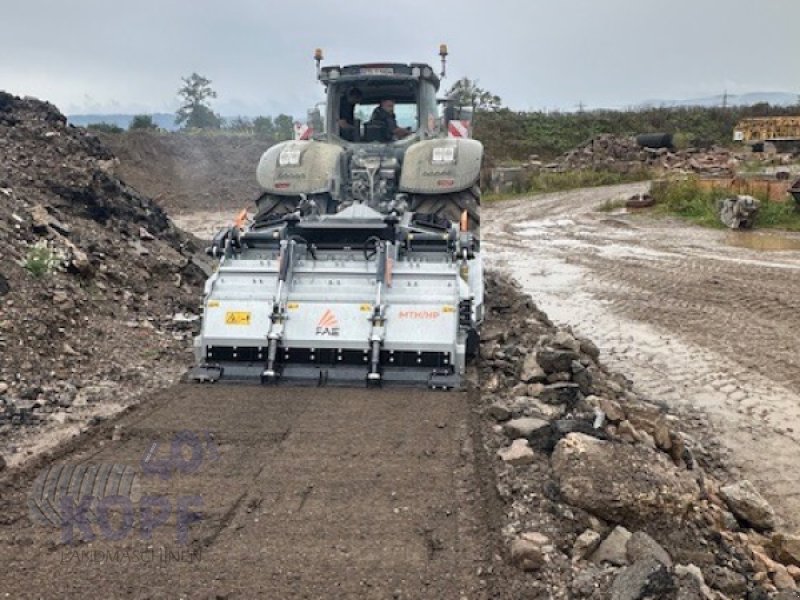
[
  {"x": 289, "y": 158},
  {"x": 444, "y": 155}
]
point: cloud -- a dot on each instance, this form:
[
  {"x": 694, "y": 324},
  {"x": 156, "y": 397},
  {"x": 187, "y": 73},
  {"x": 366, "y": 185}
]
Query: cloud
[{"x": 92, "y": 55}]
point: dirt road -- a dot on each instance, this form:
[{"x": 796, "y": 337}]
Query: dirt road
[
  {"x": 302, "y": 494},
  {"x": 698, "y": 318}
]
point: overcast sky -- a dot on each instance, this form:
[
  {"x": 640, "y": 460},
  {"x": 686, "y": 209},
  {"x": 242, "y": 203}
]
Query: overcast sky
[{"x": 123, "y": 56}]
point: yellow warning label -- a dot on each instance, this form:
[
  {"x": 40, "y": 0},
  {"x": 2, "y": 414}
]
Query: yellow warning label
[
  {"x": 292, "y": 306},
  {"x": 237, "y": 318},
  {"x": 213, "y": 303},
  {"x": 366, "y": 307},
  {"x": 449, "y": 309}
]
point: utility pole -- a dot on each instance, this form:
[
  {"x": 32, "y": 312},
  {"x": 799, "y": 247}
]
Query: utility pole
[{"x": 725, "y": 99}]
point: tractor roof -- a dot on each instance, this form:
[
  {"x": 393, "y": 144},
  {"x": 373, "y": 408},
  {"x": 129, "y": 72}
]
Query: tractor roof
[{"x": 377, "y": 71}]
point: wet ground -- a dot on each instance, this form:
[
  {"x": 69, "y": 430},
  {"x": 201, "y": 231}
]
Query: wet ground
[{"x": 699, "y": 318}]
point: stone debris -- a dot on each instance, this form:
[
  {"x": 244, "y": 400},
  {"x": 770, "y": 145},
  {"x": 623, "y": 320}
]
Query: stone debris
[
  {"x": 629, "y": 483},
  {"x": 748, "y": 505},
  {"x": 613, "y": 549},
  {"x": 624, "y": 154},
  {"x": 586, "y": 544},
  {"x": 517, "y": 454},
  {"x": 528, "y": 552},
  {"x": 640, "y": 546},
  {"x": 646, "y": 578},
  {"x": 525, "y": 427},
  {"x": 632, "y": 506}
]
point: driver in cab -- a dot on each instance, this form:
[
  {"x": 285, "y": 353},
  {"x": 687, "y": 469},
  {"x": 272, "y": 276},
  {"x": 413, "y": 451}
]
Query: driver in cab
[{"x": 384, "y": 115}]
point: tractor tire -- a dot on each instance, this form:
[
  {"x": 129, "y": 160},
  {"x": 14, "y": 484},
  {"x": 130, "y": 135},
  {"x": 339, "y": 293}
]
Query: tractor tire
[{"x": 450, "y": 206}]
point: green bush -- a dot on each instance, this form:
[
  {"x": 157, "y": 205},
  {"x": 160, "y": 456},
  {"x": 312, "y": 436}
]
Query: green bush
[
  {"x": 105, "y": 128},
  {"x": 142, "y": 123}
]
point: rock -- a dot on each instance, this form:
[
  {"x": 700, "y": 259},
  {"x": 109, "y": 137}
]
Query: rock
[
  {"x": 517, "y": 454},
  {"x": 589, "y": 348},
  {"x": 621, "y": 483},
  {"x": 691, "y": 585},
  {"x": 537, "y": 538},
  {"x": 787, "y": 548},
  {"x": 783, "y": 580},
  {"x": 612, "y": 410},
  {"x": 794, "y": 571},
  {"x": 555, "y": 361},
  {"x": 499, "y": 412},
  {"x": 2, "y": 463},
  {"x": 531, "y": 371},
  {"x": 549, "y": 412},
  {"x": 748, "y": 505},
  {"x": 525, "y": 427},
  {"x": 5, "y": 287},
  {"x": 650, "y": 420},
  {"x": 560, "y": 393},
  {"x": 3, "y": 387},
  {"x": 527, "y": 555},
  {"x": 566, "y": 341},
  {"x": 644, "y": 579},
  {"x": 613, "y": 549},
  {"x": 690, "y": 571},
  {"x": 145, "y": 235},
  {"x": 641, "y": 546},
  {"x": 627, "y": 432},
  {"x": 762, "y": 562},
  {"x": 586, "y": 544},
  {"x": 739, "y": 212},
  {"x": 582, "y": 377},
  {"x": 492, "y": 384},
  {"x": 726, "y": 580}
]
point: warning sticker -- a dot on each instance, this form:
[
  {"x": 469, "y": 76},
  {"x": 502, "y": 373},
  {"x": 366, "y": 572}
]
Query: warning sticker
[{"x": 237, "y": 318}]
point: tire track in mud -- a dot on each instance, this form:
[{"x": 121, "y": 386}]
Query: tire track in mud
[{"x": 695, "y": 323}]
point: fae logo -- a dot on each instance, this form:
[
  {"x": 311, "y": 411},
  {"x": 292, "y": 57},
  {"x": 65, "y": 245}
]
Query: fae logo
[{"x": 328, "y": 324}]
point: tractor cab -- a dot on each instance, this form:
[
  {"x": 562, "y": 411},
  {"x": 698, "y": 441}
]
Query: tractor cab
[{"x": 354, "y": 92}]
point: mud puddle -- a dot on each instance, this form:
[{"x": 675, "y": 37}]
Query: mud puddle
[{"x": 765, "y": 242}]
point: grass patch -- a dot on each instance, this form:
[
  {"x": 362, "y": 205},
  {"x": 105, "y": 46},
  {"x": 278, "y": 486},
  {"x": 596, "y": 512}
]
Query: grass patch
[
  {"x": 687, "y": 199},
  {"x": 42, "y": 260},
  {"x": 547, "y": 183},
  {"x": 558, "y": 182}
]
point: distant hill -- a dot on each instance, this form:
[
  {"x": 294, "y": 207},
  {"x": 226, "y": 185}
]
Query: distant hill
[
  {"x": 163, "y": 120},
  {"x": 772, "y": 98}
]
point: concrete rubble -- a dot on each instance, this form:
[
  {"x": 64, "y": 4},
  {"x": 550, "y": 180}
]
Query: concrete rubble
[
  {"x": 624, "y": 154},
  {"x": 631, "y": 506}
]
